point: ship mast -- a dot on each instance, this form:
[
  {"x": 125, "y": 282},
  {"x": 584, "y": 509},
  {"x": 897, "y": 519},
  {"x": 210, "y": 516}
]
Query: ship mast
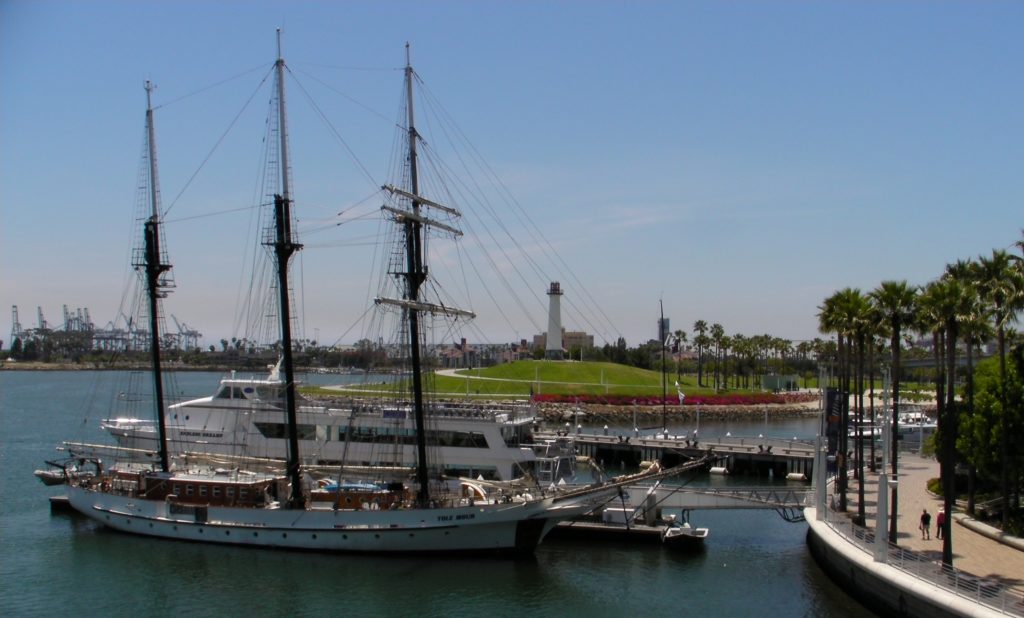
[
  {"x": 415, "y": 276},
  {"x": 284, "y": 247},
  {"x": 413, "y": 222},
  {"x": 155, "y": 284}
]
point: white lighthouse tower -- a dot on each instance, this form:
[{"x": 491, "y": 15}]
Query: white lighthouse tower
[{"x": 553, "y": 349}]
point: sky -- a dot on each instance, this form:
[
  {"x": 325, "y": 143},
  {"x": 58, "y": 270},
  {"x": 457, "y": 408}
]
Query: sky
[{"x": 737, "y": 162}]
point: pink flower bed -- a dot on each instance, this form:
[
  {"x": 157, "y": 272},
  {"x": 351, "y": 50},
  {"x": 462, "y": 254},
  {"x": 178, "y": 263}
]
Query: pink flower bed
[{"x": 736, "y": 399}]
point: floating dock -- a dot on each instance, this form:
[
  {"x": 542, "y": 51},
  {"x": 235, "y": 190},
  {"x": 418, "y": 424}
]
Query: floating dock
[
  {"x": 60, "y": 504},
  {"x": 601, "y": 531}
]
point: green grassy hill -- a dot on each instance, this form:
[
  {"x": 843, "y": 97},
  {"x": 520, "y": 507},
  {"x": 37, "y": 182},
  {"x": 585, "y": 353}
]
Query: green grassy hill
[{"x": 521, "y": 378}]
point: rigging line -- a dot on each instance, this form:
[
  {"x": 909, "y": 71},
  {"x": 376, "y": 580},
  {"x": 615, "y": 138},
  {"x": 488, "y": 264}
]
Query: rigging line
[
  {"x": 210, "y": 87},
  {"x": 255, "y": 259},
  {"x": 302, "y": 295},
  {"x": 544, "y": 241},
  {"x": 329, "y": 224},
  {"x": 494, "y": 266},
  {"x": 490, "y": 294},
  {"x": 483, "y": 281},
  {"x": 487, "y": 253},
  {"x": 481, "y": 198},
  {"x": 217, "y": 145},
  {"x": 212, "y": 214},
  {"x": 377, "y": 252},
  {"x": 361, "y": 202},
  {"x": 337, "y": 135},
  {"x": 344, "y": 68},
  {"x": 532, "y": 228},
  {"x": 328, "y": 245},
  {"x": 346, "y": 96}
]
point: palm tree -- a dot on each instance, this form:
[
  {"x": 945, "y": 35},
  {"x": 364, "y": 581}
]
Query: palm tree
[
  {"x": 876, "y": 345},
  {"x": 680, "y": 336},
  {"x": 858, "y": 318},
  {"x": 896, "y": 303},
  {"x": 739, "y": 348},
  {"x": 700, "y": 339},
  {"x": 726, "y": 345},
  {"x": 946, "y": 303},
  {"x": 1000, "y": 287},
  {"x": 717, "y": 333},
  {"x": 975, "y": 330},
  {"x": 832, "y": 318}
]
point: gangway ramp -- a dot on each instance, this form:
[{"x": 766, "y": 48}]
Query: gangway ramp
[{"x": 787, "y": 502}]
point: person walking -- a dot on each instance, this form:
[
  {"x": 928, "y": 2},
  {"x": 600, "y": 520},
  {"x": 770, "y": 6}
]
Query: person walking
[
  {"x": 940, "y": 522},
  {"x": 926, "y": 524}
]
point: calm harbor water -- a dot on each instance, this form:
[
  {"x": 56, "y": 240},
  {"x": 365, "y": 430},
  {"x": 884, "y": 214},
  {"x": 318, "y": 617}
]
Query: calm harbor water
[{"x": 754, "y": 563}]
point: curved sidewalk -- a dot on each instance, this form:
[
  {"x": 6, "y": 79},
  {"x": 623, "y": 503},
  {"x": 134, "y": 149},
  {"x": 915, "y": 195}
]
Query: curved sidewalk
[
  {"x": 973, "y": 552},
  {"x": 988, "y": 573}
]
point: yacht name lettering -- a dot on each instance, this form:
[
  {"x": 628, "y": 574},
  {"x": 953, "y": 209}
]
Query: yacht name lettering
[
  {"x": 455, "y": 517},
  {"x": 202, "y": 434}
]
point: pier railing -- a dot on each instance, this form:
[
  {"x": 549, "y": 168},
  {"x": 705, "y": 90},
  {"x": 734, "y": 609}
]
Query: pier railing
[{"x": 989, "y": 592}]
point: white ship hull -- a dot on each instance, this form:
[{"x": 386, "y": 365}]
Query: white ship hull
[{"x": 514, "y": 527}]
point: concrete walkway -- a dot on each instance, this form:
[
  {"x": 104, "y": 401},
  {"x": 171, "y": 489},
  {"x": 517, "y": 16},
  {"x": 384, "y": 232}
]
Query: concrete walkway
[{"x": 973, "y": 552}]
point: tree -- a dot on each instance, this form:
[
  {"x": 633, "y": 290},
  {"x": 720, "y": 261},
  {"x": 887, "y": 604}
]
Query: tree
[
  {"x": 860, "y": 320},
  {"x": 896, "y": 303},
  {"x": 739, "y": 347},
  {"x": 700, "y": 339},
  {"x": 677, "y": 349},
  {"x": 943, "y": 303},
  {"x": 726, "y": 345},
  {"x": 717, "y": 333},
  {"x": 974, "y": 330},
  {"x": 1001, "y": 288},
  {"x": 830, "y": 320}
]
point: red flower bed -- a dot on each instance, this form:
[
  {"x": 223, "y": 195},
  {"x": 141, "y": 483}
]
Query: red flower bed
[{"x": 731, "y": 399}]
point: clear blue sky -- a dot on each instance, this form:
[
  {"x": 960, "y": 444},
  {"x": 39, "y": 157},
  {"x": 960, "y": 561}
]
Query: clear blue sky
[{"x": 740, "y": 160}]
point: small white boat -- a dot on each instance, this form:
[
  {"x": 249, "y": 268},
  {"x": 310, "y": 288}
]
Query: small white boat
[
  {"x": 683, "y": 536},
  {"x": 51, "y": 476},
  {"x": 59, "y": 472}
]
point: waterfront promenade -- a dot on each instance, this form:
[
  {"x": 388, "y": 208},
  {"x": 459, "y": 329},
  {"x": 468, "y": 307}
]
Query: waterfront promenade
[
  {"x": 973, "y": 552},
  {"x": 987, "y": 578}
]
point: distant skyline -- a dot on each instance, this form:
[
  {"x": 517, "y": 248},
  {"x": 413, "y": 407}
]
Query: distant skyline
[{"x": 738, "y": 161}]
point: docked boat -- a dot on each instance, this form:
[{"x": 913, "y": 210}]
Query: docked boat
[
  {"x": 58, "y": 472},
  {"x": 492, "y": 440},
  {"x": 680, "y": 535},
  {"x": 425, "y": 513},
  {"x": 619, "y": 521}
]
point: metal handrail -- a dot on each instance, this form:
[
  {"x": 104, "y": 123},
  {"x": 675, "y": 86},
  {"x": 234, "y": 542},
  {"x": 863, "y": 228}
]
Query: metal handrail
[{"x": 988, "y": 592}]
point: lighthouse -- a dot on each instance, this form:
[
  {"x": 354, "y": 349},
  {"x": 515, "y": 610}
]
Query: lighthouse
[{"x": 553, "y": 348}]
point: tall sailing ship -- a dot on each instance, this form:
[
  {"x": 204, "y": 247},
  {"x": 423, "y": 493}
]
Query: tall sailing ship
[{"x": 425, "y": 513}]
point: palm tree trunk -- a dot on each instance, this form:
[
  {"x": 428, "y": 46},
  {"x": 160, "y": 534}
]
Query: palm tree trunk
[
  {"x": 844, "y": 421},
  {"x": 893, "y": 501},
  {"x": 871, "y": 398},
  {"x": 860, "y": 428},
  {"x": 972, "y": 470},
  {"x": 948, "y": 432},
  {"x": 700, "y": 366},
  {"x": 1004, "y": 453}
]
